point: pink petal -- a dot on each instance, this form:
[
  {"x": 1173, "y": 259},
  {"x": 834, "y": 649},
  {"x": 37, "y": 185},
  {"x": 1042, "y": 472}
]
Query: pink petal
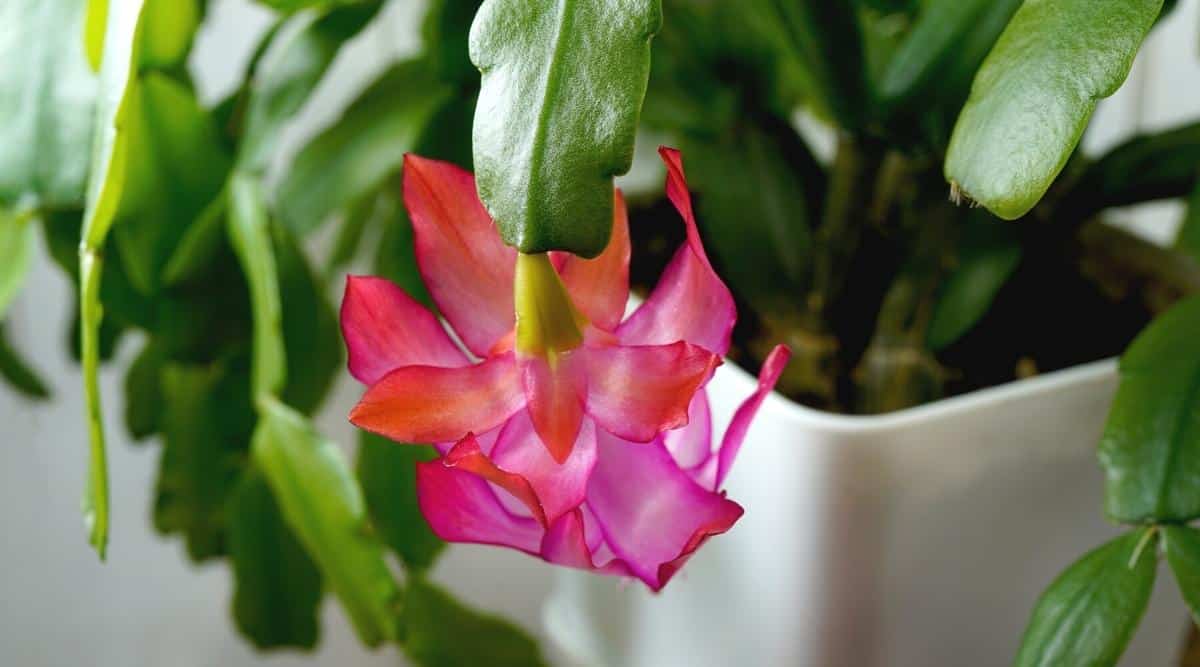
[
  {"x": 731, "y": 443},
  {"x": 690, "y": 302},
  {"x": 652, "y": 514},
  {"x": 466, "y": 455},
  {"x": 467, "y": 268},
  {"x": 429, "y": 404},
  {"x": 461, "y": 507},
  {"x": 564, "y": 544},
  {"x": 600, "y": 287},
  {"x": 385, "y": 329},
  {"x": 691, "y": 445},
  {"x": 558, "y": 488},
  {"x": 637, "y": 391},
  {"x": 555, "y": 394}
]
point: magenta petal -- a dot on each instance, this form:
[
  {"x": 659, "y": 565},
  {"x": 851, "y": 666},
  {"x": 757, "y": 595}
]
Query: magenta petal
[
  {"x": 638, "y": 391},
  {"x": 385, "y": 329},
  {"x": 565, "y": 544},
  {"x": 731, "y": 443},
  {"x": 600, "y": 287},
  {"x": 461, "y": 507},
  {"x": 691, "y": 445},
  {"x": 430, "y": 404},
  {"x": 690, "y": 302},
  {"x": 467, "y": 455},
  {"x": 652, "y": 514},
  {"x": 467, "y": 268},
  {"x": 559, "y": 487},
  {"x": 555, "y": 394}
]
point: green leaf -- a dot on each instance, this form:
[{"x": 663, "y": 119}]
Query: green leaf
[
  {"x": 1035, "y": 92},
  {"x": 355, "y": 221},
  {"x": 753, "y": 210},
  {"x": 144, "y": 402},
  {"x": 324, "y": 506},
  {"x": 1182, "y": 546},
  {"x": 311, "y": 337},
  {"x": 948, "y": 35},
  {"x": 1187, "y": 239},
  {"x": 106, "y": 180},
  {"x": 250, "y": 235},
  {"x": 17, "y": 234},
  {"x": 444, "y": 33},
  {"x": 17, "y": 373},
  {"x": 290, "y": 69},
  {"x": 364, "y": 147},
  {"x": 94, "y": 28},
  {"x": 388, "y": 474},
  {"x": 988, "y": 254},
  {"x": 199, "y": 244},
  {"x": 47, "y": 102},
  {"x": 1151, "y": 444},
  {"x": 547, "y": 147},
  {"x": 1088, "y": 614},
  {"x": 826, "y": 44},
  {"x": 277, "y": 587},
  {"x": 440, "y": 632},
  {"x": 1162, "y": 165},
  {"x": 206, "y": 424},
  {"x": 395, "y": 258},
  {"x": 169, "y": 28}
]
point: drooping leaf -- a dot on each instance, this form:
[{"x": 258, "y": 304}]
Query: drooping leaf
[
  {"x": 388, "y": 474},
  {"x": 250, "y": 234},
  {"x": 311, "y": 337},
  {"x": 290, "y": 69},
  {"x": 1151, "y": 444},
  {"x": 106, "y": 181},
  {"x": 170, "y": 27},
  {"x": 1154, "y": 166},
  {"x": 546, "y": 149},
  {"x": 1188, "y": 238},
  {"x": 366, "y": 145},
  {"x": 17, "y": 372},
  {"x": 1182, "y": 546},
  {"x": 988, "y": 254},
  {"x": 47, "y": 102},
  {"x": 1036, "y": 91},
  {"x": 324, "y": 507},
  {"x": 206, "y": 425},
  {"x": 144, "y": 403},
  {"x": 17, "y": 237},
  {"x": 277, "y": 587},
  {"x": 1088, "y": 614},
  {"x": 440, "y": 631}
]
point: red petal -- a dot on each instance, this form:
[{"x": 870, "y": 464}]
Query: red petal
[
  {"x": 428, "y": 404},
  {"x": 467, "y": 268},
  {"x": 555, "y": 395},
  {"x": 385, "y": 329},
  {"x": 636, "y": 392},
  {"x": 600, "y": 287}
]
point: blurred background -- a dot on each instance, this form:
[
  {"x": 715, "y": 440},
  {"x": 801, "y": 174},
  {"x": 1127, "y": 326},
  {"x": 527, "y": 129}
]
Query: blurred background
[{"x": 148, "y": 605}]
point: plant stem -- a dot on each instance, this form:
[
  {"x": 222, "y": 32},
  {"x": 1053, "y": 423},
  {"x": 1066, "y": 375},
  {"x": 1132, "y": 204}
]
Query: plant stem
[{"x": 1124, "y": 265}]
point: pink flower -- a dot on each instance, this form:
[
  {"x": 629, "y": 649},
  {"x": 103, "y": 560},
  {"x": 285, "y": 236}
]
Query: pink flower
[{"x": 577, "y": 436}]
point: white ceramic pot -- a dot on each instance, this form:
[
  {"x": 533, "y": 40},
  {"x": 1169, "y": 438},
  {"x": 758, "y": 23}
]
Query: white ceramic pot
[{"x": 921, "y": 538}]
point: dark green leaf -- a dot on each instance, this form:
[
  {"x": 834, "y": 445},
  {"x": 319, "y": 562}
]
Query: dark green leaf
[
  {"x": 199, "y": 244},
  {"x": 547, "y": 147},
  {"x": 324, "y": 506},
  {"x": 144, "y": 405},
  {"x": 1151, "y": 445},
  {"x": 1034, "y": 94},
  {"x": 206, "y": 425},
  {"x": 350, "y": 234},
  {"x": 290, "y": 69},
  {"x": 18, "y": 373},
  {"x": 17, "y": 234},
  {"x": 312, "y": 339},
  {"x": 277, "y": 586},
  {"x": 364, "y": 147},
  {"x": 1151, "y": 166},
  {"x": 826, "y": 44},
  {"x": 1188, "y": 238},
  {"x": 988, "y": 253},
  {"x": 1088, "y": 614},
  {"x": 388, "y": 474},
  {"x": 1182, "y": 545},
  {"x": 47, "y": 100},
  {"x": 444, "y": 33},
  {"x": 396, "y": 258},
  {"x": 440, "y": 632}
]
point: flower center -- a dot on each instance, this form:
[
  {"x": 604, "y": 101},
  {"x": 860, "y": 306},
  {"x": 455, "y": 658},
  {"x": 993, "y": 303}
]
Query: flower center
[{"x": 547, "y": 321}]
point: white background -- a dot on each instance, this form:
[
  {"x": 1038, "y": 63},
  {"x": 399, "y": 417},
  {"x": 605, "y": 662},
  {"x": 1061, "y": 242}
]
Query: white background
[{"x": 148, "y": 606}]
